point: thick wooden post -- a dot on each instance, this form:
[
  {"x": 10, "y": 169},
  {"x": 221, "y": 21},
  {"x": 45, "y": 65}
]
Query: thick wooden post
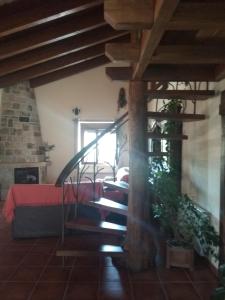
[
  {"x": 222, "y": 183},
  {"x": 138, "y": 203}
]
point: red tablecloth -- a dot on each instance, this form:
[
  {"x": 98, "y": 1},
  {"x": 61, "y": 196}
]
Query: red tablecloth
[{"x": 47, "y": 194}]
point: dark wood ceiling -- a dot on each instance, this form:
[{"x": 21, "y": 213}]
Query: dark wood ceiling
[{"x": 45, "y": 40}]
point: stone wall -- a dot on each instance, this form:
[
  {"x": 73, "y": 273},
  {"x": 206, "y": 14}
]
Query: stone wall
[{"x": 20, "y": 133}]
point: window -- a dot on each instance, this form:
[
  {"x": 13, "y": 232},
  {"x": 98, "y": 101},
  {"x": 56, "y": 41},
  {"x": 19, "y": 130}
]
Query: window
[{"x": 105, "y": 150}]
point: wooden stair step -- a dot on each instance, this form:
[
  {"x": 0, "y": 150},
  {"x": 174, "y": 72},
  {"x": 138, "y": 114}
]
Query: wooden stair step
[
  {"x": 162, "y": 136},
  {"x": 96, "y": 226},
  {"x": 180, "y": 94},
  {"x": 157, "y": 153},
  {"x": 102, "y": 250},
  {"x": 118, "y": 185},
  {"x": 160, "y": 116},
  {"x": 109, "y": 205}
]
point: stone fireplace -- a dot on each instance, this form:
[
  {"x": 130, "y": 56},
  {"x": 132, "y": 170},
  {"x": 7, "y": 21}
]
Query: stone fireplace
[{"x": 20, "y": 136}]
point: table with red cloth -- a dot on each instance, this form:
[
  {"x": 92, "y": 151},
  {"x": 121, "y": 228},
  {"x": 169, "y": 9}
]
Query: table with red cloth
[{"x": 47, "y": 195}]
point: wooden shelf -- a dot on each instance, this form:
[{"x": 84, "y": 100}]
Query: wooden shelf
[
  {"x": 161, "y": 116},
  {"x": 95, "y": 226},
  {"x": 162, "y": 136},
  {"x": 117, "y": 185},
  {"x": 109, "y": 205},
  {"x": 182, "y": 94},
  {"x": 101, "y": 250}
]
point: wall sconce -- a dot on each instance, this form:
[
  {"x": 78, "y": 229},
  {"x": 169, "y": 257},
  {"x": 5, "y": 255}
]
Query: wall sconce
[{"x": 76, "y": 112}]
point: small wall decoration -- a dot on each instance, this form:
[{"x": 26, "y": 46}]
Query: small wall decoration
[{"x": 122, "y": 101}]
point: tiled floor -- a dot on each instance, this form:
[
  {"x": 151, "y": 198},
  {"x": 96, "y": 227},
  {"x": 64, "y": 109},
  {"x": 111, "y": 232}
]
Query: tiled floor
[{"x": 29, "y": 270}]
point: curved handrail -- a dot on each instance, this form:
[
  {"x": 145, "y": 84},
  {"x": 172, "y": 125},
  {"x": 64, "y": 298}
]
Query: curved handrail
[{"x": 71, "y": 165}]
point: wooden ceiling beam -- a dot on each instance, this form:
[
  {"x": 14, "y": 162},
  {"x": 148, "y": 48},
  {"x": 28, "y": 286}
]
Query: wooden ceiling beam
[
  {"x": 166, "y": 73},
  {"x": 56, "y": 64},
  {"x": 43, "y": 54},
  {"x": 163, "y": 12},
  {"x": 194, "y": 54},
  {"x": 126, "y": 52},
  {"x": 39, "y": 12},
  {"x": 49, "y": 33},
  {"x": 129, "y": 15},
  {"x": 198, "y": 15},
  {"x": 69, "y": 71},
  {"x": 180, "y": 94}
]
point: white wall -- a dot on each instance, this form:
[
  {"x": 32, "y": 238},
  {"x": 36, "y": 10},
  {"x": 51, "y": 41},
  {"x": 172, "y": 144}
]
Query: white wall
[
  {"x": 201, "y": 156},
  {"x": 94, "y": 93}
]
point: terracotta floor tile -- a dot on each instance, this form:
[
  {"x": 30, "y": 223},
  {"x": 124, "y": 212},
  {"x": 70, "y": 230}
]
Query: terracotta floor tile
[
  {"x": 48, "y": 291},
  {"x": 114, "y": 274},
  {"x": 106, "y": 261},
  {"x": 88, "y": 274},
  {"x": 82, "y": 291},
  {"x": 43, "y": 249},
  {"x": 11, "y": 259},
  {"x": 15, "y": 291},
  {"x": 34, "y": 260},
  {"x": 150, "y": 275},
  {"x": 55, "y": 274},
  {"x": 6, "y": 272},
  {"x": 27, "y": 274},
  {"x": 88, "y": 261},
  {"x": 202, "y": 275},
  {"x": 205, "y": 289},
  {"x": 173, "y": 275},
  {"x": 114, "y": 291},
  {"x": 57, "y": 261},
  {"x": 181, "y": 291},
  {"x": 148, "y": 291}
]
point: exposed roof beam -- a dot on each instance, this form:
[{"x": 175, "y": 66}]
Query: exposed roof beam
[
  {"x": 166, "y": 73},
  {"x": 85, "y": 66},
  {"x": 49, "y": 33},
  {"x": 42, "y": 54},
  {"x": 198, "y": 15},
  {"x": 129, "y": 15},
  {"x": 122, "y": 52},
  {"x": 39, "y": 12},
  {"x": 180, "y": 94},
  {"x": 195, "y": 54},
  {"x": 52, "y": 65},
  {"x": 163, "y": 12},
  {"x": 55, "y": 64}
]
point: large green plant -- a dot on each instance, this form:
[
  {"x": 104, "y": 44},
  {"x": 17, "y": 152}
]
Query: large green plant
[{"x": 181, "y": 220}]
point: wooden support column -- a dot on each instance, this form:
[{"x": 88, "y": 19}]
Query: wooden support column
[
  {"x": 138, "y": 203},
  {"x": 222, "y": 183}
]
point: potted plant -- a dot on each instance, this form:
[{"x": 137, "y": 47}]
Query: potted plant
[{"x": 184, "y": 225}]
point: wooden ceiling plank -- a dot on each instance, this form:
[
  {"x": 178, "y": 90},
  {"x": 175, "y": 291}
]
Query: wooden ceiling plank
[
  {"x": 129, "y": 15},
  {"x": 39, "y": 13},
  {"x": 54, "y": 31},
  {"x": 180, "y": 94},
  {"x": 163, "y": 12},
  {"x": 73, "y": 44},
  {"x": 166, "y": 73},
  {"x": 69, "y": 71},
  {"x": 198, "y": 15},
  {"x": 189, "y": 54},
  {"x": 56, "y": 64},
  {"x": 52, "y": 65},
  {"x": 125, "y": 52}
]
